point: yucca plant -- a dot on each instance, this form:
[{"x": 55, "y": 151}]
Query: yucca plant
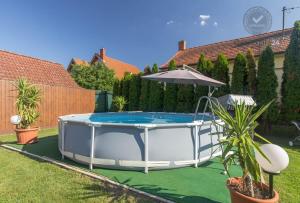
[
  {"x": 119, "y": 103},
  {"x": 27, "y": 102},
  {"x": 239, "y": 145}
]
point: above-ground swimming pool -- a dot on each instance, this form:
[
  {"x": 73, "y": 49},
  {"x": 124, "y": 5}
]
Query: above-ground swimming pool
[{"x": 138, "y": 140}]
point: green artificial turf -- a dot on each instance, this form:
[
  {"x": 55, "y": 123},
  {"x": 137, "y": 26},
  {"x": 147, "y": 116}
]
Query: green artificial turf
[{"x": 203, "y": 184}]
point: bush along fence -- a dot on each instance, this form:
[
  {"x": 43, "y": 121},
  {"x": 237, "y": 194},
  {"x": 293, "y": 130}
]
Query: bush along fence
[{"x": 247, "y": 78}]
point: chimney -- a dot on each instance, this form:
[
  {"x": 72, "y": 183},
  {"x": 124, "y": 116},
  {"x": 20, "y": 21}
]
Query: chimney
[
  {"x": 102, "y": 53},
  {"x": 181, "y": 45}
]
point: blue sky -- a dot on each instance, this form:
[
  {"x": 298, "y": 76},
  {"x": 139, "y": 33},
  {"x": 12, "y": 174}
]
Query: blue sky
[{"x": 137, "y": 31}]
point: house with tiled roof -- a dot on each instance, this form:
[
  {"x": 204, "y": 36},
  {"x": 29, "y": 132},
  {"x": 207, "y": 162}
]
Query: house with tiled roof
[
  {"x": 278, "y": 40},
  {"x": 38, "y": 71},
  {"x": 60, "y": 94},
  {"x": 119, "y": 67}
]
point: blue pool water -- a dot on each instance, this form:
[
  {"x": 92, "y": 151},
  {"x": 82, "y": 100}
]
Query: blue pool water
[{"x": 139, "y": 118}]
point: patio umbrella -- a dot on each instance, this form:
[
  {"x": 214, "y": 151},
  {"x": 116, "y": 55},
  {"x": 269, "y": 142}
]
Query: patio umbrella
[{"x": 184, "y": 75}]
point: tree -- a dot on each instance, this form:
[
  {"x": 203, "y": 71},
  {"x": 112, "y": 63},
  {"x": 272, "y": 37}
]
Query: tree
[
  {"x": 96, "y": 76},
  {"x": 251, "y": 69},
  {"x": 125, "y": 87},
  {"x": 116, "y": 88},
  {"x": 170, "y": 95},
  {"x": 205, "y": 67},
  {"x": 185, "y": 98},
  {"x": 156, "y": 93},
  {"x": 134, "y": 92},
  {"x": 291, "y": 77},
  {"x": 266, "y": 86},
  {"x": 220, "y": 72},
  {"x": 239, "y": 75},
  {"x": 172, "y": 65},
  {"x": 144, "y": 96}
]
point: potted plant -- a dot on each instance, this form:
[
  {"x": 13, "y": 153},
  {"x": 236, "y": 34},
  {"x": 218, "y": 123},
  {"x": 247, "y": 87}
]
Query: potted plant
[
  {"x": 27, "y": 103},
  {"x": 119, "y": 102},
  {"x": 240, "y": 147}
]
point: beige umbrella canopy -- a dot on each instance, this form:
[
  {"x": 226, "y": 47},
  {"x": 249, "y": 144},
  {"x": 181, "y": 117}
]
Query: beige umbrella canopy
[{"x": 184, "y": 75}]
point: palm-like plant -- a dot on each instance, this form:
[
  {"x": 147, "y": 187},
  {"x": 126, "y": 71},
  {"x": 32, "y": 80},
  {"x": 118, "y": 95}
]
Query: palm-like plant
[
  {"x": 119, "y": 103},
  {"x": 239, "y": 145},
  {"x": 27, "y": 102}
]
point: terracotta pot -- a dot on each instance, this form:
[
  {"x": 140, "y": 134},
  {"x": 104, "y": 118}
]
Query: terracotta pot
[
  {"x": 237, "y": 197},
  {"x": 27, "y": 136}
]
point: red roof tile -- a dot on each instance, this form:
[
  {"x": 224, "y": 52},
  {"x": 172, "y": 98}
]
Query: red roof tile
[
  {"x": 14, "y": 66},
  {"x": 118, "y": 66},
  {"x": 278, "y": 40}
]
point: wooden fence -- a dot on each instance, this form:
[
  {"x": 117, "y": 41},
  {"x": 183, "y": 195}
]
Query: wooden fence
[{"x": 56, "y": 101}]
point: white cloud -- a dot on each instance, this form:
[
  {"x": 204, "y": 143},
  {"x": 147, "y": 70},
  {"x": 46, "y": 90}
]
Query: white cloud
[
  {"x": 216, "y": 24},
  {"x": 170, "y": 22},
  {"x": 203, "y": 22},
  {"x": 204, "y": 17}
]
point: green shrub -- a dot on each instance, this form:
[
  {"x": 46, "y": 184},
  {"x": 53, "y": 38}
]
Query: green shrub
[
  {"x": 144, "y": 95},
  {"x": 170, "y": 94},
  {"x": 251, "y": 76},
  {"x": 116, "y": 88},
  {"x": 267, "y": 85},
  {"x": 125, "y": 88},
  {"x": 119, "y": 103},
  {"x": 185, "y": 98},
  {"x": 239, "y": 75},
  {"x": 156, "y": 94},
  {"x": 291, "y": 77},
  {"x": 205, "y": 67},
  {"x": 220, "y": 72},
  {"x": 134, "y": 92},
  {"x": 27, "y": 102},
  {"x": 96, "y": 76}
]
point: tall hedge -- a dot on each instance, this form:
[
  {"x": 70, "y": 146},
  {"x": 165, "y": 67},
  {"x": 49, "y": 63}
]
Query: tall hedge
[
  {"x": 266, "y": 86},
  {"x": 125, "y": 88},
  {"x": 239, "y": 75},
  {"x": 116, "y": 88},
  {"x": 145, "y": 85},
  {"x": 251, "y": 76},
  {"x": 134, "y": 92},
  {"x": 205, "y": 67},
  {"x": 170, "y": 94},
  {"x": 156, "y": 93},
  {"x": 291, "y": 77},
  {"x": 221, "y": 72},
  {"x": 185, "y": 98}
]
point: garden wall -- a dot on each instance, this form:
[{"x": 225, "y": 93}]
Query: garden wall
[{"x": 56, "y": 101}]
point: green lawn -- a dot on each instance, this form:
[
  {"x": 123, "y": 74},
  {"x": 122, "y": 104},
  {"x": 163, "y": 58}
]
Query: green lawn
[
  {"x": 204, "y": 184},
  {"x": 23, "y": 179}
]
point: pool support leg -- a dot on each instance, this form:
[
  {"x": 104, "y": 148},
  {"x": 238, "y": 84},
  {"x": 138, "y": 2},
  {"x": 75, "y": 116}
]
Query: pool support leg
[
  {"x": 196, "y": 146},
  {"x": 92, "y": 146},
  {"x": 146, "y": 150}
]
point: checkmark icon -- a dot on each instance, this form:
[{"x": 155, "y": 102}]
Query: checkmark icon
[{"x": 257, "y": 20}]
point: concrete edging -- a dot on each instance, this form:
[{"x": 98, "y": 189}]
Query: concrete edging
[{"x": 89, "y": 174}]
